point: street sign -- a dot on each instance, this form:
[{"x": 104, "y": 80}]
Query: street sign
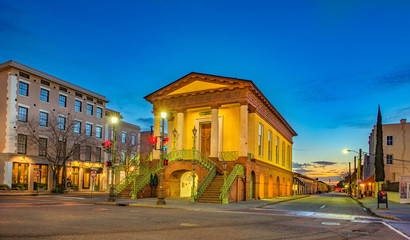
[
  {"x": 37, "y": 169},
  {"x": 37, "y": 174},
  {"x": 93, "y": 174}
]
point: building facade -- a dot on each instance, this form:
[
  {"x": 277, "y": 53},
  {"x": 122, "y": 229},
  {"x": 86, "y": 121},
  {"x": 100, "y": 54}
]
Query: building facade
[
  {"x": 233, "y": 127},
  {"x": 396, "y": 142}
]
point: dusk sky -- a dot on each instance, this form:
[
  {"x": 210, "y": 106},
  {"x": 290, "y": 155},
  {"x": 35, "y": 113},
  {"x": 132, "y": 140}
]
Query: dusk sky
[{"x": 325, "y": 65}]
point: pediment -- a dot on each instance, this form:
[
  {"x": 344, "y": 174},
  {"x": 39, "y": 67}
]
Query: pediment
[{"x": 196, "y": 86}]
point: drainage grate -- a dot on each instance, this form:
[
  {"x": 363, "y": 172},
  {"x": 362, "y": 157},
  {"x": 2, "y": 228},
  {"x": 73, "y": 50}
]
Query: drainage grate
[{"x": 122, "y": 204}]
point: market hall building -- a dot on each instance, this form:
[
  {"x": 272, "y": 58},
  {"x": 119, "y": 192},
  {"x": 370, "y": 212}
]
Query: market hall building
[{"x": 222, "y": 124}]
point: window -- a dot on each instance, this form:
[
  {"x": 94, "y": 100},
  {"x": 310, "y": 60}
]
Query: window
[
  {"x": 44, "y": 95},
  {"x": 270, "y": 145},
  {"x": 89, "y": 109},
  {"x": 288, "y": 155},
  {"x": 23, "y": 114},
  {"x": 389, "y": 140},
  {"x": 123, "y": 154},
  {"x": 99, "y": 112},
  {"x": 42, "y": 147},
  {"x": 21, "y": 144},
  {"x": 98, "y": 154},
  {"x": 99, "y": 102},
  {"x": 389, "y": 159},
  {"x": 98, "y": 132},
  {"x": 133, "y": 156},
  {"x": 133, "y": 139},
  {"x": 77, "y": 127},
  {"x": 283, "y": 153},
  {"x": 78, "y": 95},
  {"x": 87, "y": 153},
  {"x": 88, "y": 129},
  {"x": 76, "y": 151},
  {"x": 277, "y": 150},
  {"x": 24, "y": 75},
  {"x": 23, "y": 88},
  {"x": 62, "y": 89},
  {"x": 44, "y": 82},
  {"x": 61, "y": 123},
  {"x": 123, "y": 137},
  {"x": 43, "y": 119},
  {"x": 260, "y": 140},
  {"x": 90, "y": 98},
  {"x": 62, "y": 101},
  {"x": 78, "y": 106}
]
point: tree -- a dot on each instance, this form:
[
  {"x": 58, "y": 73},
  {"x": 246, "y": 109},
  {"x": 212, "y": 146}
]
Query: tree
[
  {"x": 126, "y": 154},
  {"x": 57, "y": 140},
  {"x": 379, "y": 158}
]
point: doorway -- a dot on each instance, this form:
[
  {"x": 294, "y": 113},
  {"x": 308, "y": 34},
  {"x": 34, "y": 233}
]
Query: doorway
[
  {"x": 186, "y": 184},
  {"x": 206, "y": 139}
]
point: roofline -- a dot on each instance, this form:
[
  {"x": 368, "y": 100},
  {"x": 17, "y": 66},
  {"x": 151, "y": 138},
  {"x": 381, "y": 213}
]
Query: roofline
[{"x": 41, "y": 74}]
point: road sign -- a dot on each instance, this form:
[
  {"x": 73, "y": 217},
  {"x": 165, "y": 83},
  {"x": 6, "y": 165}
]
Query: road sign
[
  {"x": 37, "y": 169},
  {"x": 93, "y": 174},
  {"x": 37, "y": 174}
]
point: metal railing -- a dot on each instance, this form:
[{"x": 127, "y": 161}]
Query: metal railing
[
  {"x": 229, "y": 156},
  {"x": 144, "y": 180},
  {"x": 238, "y": 170}
]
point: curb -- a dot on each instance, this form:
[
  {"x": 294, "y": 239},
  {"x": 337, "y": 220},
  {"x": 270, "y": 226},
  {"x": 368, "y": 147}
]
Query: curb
[
  {"x": 131, "y": 205},
  {"x": 373, "y": 213},
  {"x": 285, "y": 200}
]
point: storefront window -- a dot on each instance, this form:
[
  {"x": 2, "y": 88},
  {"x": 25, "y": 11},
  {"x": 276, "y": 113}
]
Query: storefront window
[
  {"x": 86, "y": 178},
  {"x": 20, "y": 176},
  {"x": 43, "y": 176},
  {"x": 74, "y": 178}
]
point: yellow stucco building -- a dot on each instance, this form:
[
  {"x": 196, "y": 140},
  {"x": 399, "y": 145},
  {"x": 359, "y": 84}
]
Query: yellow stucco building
[{"x": 213, "y": 120}]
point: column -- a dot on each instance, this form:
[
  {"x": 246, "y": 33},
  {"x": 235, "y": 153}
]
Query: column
[
  {"x": 170, "y": 134},
  {"x": 214, "y": 133},
  {"x": 157, "y": 133},
  {"x": 243, "y": 131},
  {"x": 180, "y": 130}
]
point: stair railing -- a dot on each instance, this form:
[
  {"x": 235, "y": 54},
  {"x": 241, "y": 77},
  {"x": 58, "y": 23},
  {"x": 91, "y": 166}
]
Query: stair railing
[
  {"x": 131, "y": 176},
  {"x": 140, "y": 184},
  {"x": 205, "y": 183},
  {"x": 238, "y": 170}
]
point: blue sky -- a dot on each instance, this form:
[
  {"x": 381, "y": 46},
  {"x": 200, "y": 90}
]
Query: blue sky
[{"x": 325, "y": 65}]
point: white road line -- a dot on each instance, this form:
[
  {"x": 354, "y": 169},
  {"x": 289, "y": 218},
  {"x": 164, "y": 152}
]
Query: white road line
[
  {"x": 397, "y": 231},
  {"x": 323, "y": 206}
]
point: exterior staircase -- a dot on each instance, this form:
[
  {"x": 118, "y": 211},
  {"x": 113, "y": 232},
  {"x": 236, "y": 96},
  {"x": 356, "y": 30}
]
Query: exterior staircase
[
  {"x": 126, "y": 192},
  {"x": 213, "y": 191}
]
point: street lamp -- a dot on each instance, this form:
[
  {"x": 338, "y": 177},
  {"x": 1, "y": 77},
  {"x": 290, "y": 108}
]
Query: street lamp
[
  {"x": 193, "y": 182},
  {"x": 111, "y": 196},
  {"x": 194, "y": 131},
  {"x": 161, "y": 198},
  {"x": 358, "y": 171},
  {"x": 174, "y": 133}
]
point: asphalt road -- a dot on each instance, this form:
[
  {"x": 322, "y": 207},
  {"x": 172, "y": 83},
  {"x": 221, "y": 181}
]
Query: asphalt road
[{"x": 63, "y": 218}]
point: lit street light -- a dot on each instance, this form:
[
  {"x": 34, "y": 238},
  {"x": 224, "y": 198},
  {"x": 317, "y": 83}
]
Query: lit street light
[{"x": 358, "y": 171}]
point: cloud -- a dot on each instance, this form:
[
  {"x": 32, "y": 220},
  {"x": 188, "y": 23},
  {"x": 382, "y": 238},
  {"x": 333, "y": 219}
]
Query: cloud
[
  {"x": 324, "y": 163},
  {"x": 299, "y": 165},
  {"x": 145, "y": 123},
  {"x": 394, "y": 79}
]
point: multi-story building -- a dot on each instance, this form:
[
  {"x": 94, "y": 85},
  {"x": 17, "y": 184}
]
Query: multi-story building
[
  {"x": 396, "y": 144},
  {"x": 223, "y": 125},
  {"x": 34, "y": 108}
]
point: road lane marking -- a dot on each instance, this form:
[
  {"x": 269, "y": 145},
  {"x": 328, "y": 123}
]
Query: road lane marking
[
  {"x": 323, "y": 206},
  {"x": 189, "y": 224},
  {"x": 397, "y": 231}
]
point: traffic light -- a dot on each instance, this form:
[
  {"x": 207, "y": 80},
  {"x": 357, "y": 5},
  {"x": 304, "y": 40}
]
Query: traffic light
[
  {"x": 165, "y": 143},
  {"x": 165, "y": 162},
  {"x": 107, "y": 146},
  {"x": 153, "y": 140},
  {"x": 108, "y": 164}
]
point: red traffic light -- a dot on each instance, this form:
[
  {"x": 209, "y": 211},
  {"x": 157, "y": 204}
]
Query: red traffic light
[
  {"x": 107, "y": 143},
  {"x": 165, "y": 162},
  {"x": 108, "y": 164},
  {"x": 153, "y": 140}
]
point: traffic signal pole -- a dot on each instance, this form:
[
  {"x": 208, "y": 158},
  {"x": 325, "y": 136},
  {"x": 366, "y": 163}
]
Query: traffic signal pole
[
  {"x": 161, "y": 198},
  {"x": 111, "y": 196}
]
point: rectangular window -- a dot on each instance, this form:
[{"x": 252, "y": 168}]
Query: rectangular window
[
  {"x": 98, "y": 154},
  {"x": 90, "y": 98},
  {"x": 389, "y": 159},
  {"x": 78, "y": 95},
  {"x": 62, "y": 89},
  {"x": 133, "y": 156},
  {"x": 44, "y": 82},
  {"x": 43, "y": 119},
  {"x": 123, "y": 155},
  {"x": 123, "y": 137},
  {"x": 277, "y": 150},
  {"x": 260, "y": 140},
  {"x": 61, "y": 123},
  {"x": 270, "y": 145},
  {"x": 42, "y": 148},
  {"x": 62, "y": 101},
  {"x": 89, "y": 109},
  {"x": 98, "y": 132},
  {"x": 78, "y": 106},
  {"x": 77, "y": 127},
  {"x": 99, "y": 112},
  {"x": 288, "y": 155},
  {"x": 23, "y": 114},
  {"x": 76, "y": 151},
  {"x": 133, "y": 139},
  {"x": 21, "y": 144},
  {"x": 23, "y": 88},
  {"x": 24, "y": 75},
  {"x": 87, "y": 153},
  {"x": 389, "y": 140},
  {"x": 283, "y": 153},
  {"x": 88, "y": 129},
  {"x": 99, "y": 102},
  {"x": 44, "y": 95}
]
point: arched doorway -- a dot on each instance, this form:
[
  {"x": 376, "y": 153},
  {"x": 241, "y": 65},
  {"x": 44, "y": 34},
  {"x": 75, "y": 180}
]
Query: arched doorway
[
  {"x": 270, "y": 186},
  {"x": 283, "y": 187},
  {"x": 185, "y": 185},
  {"x": 252, "y": 186},
  {"x": 289, "y": 187},
  {"x": 261, "y": 186},
  {"x": 278, "y": 186}
]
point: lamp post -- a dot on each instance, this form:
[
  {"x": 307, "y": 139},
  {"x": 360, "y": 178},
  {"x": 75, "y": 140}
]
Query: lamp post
[
  {"x": 174, "y": 133},
  {"x": 111, "y": 196},
  {"x": 161, "y": 198},
  {"x": 194, "y": 131},
  {"x": 193, "y": 181},
  {"x": 358, "y": 173}
]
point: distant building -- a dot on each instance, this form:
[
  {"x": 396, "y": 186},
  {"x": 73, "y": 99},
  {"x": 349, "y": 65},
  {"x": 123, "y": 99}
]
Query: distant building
[{"x": 396, "y": 149}]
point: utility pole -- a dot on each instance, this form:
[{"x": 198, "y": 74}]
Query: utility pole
[
  {"x": 355, "y": 170},
  {"x": 359, "y": 164},
  {"x": 350, "y": 181}
]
